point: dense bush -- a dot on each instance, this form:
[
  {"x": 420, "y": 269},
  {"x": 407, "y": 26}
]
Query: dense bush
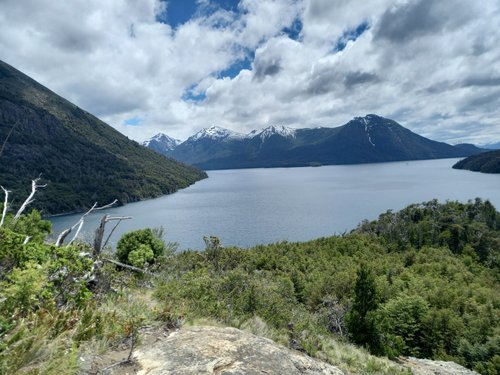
[{"x": 139, "y": 247}]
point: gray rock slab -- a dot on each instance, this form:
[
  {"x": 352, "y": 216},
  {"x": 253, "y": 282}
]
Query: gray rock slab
[{"x": 212, "y": 350}]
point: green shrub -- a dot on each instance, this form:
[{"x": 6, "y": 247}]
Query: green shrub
[{"x": 139, "y": 247}]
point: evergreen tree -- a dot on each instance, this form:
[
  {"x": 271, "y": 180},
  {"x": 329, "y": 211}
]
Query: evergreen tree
[{"x": 361, "y": 318}]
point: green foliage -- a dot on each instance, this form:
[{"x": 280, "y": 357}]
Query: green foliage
[
  {"x": 139, "y": 247},
  {"x": 474, "y": 225},
  {"x": 403, "y": 323},
  {"x": 40, "y": 288},
  {"x": 141, "y": 256},
  {"x": 361, "y": 319},
  {"x": 422, "y": 281},
  {"x": 39, "y": 344},
  {"x": 25, "y": 291}
]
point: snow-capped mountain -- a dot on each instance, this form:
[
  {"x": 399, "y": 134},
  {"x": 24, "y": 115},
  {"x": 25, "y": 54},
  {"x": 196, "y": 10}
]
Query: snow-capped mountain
[
  {"x": 162, "y": 143},
  {"x": 365, "y": 139},
  {"x": 215, "y": 133},
  {"x": 268, "y": 132}
]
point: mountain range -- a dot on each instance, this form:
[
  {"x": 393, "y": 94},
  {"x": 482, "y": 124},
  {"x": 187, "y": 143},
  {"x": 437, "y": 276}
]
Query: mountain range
[
  {"x": 365, "y": 139},
  {"x": 80, "y": 158},
  {"x": 491, "y": 146}
]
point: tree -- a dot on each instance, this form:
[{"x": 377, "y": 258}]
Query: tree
[
  {"x": 361, "y": 319},
  {"x": 402, "y": 322},
  {"x": 139, "y": 247}
]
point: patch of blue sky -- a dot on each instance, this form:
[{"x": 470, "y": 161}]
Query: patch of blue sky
[
  {"x": 351, "y": 35},
  {"x": 179, "y": 12},
  {"x": 229, "y": 5},
  {"x": 193, "y": 95},
  {"x": 133, "y": 121},
  {"x": 293, "y": 31},
  {"x": 235, "y": 68}
]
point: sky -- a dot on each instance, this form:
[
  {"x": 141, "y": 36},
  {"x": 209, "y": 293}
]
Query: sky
[{"x": 149, "y": 66}]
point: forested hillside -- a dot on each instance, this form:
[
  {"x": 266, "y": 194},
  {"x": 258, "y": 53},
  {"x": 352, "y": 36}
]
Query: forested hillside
[
  {"x": 488, "y": 162},
  {"x": 81, "y": 158}
]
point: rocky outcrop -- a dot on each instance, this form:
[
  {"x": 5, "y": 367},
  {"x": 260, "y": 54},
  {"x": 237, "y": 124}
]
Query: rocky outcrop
[
  {"x": 210, "y": 350},
  {"x": 230, "y": 351},
  {"x": 428, "y": 367}
]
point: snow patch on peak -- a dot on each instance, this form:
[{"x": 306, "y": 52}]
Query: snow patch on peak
[
  {"x": 163, "y": 139},
  {"x": 367, "y": 123},
  {"x": 215, "y": 132},
  {"x": 368, "y": 119},
  {"x": 265, "y": 133}
]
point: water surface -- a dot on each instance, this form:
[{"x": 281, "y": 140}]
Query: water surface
[{"x": 246, "y": 207}]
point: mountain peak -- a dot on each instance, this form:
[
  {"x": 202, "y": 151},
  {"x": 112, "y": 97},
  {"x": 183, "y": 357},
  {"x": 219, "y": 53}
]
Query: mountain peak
[
  {"x": 161, "y": 137},
  {"x": 215, "y": 132},
  {"x": 369, "y": 119},
  {"x": 265, "y": 133},
  {"x": 161, "y": 141}
]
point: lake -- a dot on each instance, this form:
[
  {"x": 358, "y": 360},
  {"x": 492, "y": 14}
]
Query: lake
[{"x": 246, "y": 207}]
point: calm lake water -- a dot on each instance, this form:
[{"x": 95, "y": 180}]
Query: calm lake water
[{"x": 247, "y": 207}]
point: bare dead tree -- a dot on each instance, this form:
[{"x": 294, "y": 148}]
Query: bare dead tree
[
  {"x": 29, "y": 200},
  {"x": 79, "y": 224},
  {"x": 5, "y": 203},
  {"x": 99, "y": 233}
]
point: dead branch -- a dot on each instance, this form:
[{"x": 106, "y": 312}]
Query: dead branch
[
  {"x": 5, "y": 202},
  {"x": 79, "y": 223},
  {"x": 77, "y": 233},
  {"x": 62, "y": 236},
  {"x": 99, "y": 232},
  {"x": 30, "y": 199},
  {"x": 133, "y": 268},
  {"x": 26, "y": 240},
  {"x": 112, "y": 230}
]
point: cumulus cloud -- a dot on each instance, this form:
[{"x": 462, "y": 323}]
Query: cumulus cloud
[{"x": 434, "y": 66}]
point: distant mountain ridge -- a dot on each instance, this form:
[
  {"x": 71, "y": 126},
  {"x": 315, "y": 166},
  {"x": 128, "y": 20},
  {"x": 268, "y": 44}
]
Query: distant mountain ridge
[
  {"x": 365, "y": 139},
  {"x": 82, "y": 159},
  {"x": 492, "y": 146}
]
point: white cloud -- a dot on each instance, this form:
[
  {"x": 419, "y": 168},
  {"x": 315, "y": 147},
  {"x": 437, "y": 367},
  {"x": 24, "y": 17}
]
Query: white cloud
[{"x": 433, "y": 66}]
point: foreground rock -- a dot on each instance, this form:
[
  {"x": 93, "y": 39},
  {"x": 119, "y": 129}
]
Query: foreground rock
[
  {"x": 428, "y": 367},
  {"x": 230, "y": 351},
  {"x": 210, "y": 350}
]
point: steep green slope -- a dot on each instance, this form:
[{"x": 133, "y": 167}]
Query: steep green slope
[
  {"x": 81, "y": 158},
  {"x": 488, "y": 162}
]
